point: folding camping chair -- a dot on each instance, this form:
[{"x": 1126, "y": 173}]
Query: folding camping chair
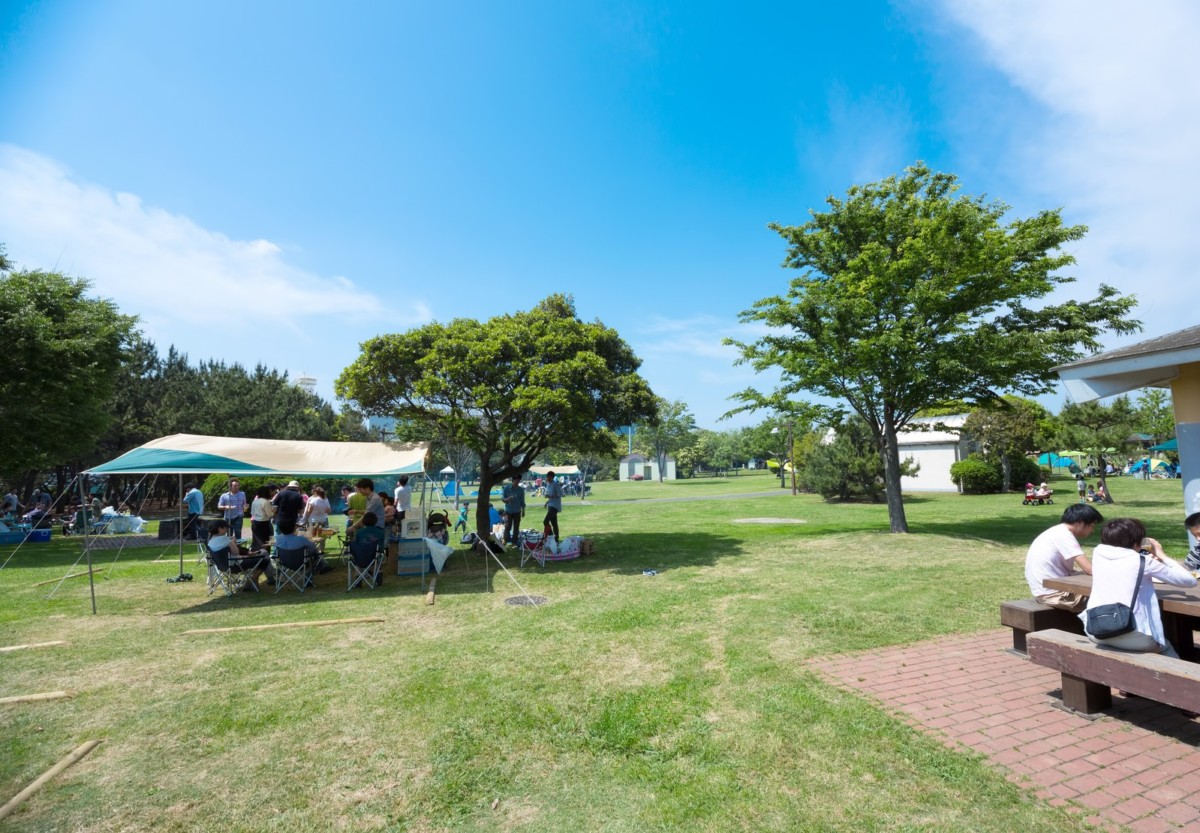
[
  {"x": 538, "y": 548},
  {"x": 227, "y": 572},
  {"x": 294, "y": 567},
  {"x": 202, "y": 545},
  {"x": 364, "y": 561}
]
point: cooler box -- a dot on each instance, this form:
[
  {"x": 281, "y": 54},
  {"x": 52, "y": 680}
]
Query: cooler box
[
  {"x": 39, "y": 536},
  {"x": 11, "y": 537},
  {"x": 412, "y": 528},
  {"x": 168, "y": 529},
  {"x": 412, "y": 557}
]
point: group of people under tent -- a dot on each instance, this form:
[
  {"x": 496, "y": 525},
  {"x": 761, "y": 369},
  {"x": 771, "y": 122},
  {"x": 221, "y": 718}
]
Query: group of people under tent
[
  {"x": 281, "y": 512},
  {"x": 1124, "y": 552}
]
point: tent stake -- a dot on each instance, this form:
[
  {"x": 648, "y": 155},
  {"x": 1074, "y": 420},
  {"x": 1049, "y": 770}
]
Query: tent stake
[
  {"x": 315, "y": 624},
  {"x": 64, "y": 578},
  {"x": 77, "y": 755},
  {"x": 8, "y": 648},
  {"x": 33, "y": 698}
]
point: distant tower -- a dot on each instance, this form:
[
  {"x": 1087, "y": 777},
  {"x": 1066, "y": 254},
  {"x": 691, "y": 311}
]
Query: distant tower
[{"x": 307, "y": 383}]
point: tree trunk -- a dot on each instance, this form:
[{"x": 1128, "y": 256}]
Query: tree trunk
[
  {"x": 891, "y": 479},
  {"x": 483, "y": 523},
  {"x": 1006, "y": 474},
  {"x": 662, "y": 464}
]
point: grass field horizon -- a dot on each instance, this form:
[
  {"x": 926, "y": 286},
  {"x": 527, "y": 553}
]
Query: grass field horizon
[{"x": 679, "y": 701}]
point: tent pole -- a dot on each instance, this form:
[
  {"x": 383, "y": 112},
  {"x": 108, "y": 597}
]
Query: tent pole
[
  {"x": 87, "y": 544},
  {"x": 179, "y": 528}
]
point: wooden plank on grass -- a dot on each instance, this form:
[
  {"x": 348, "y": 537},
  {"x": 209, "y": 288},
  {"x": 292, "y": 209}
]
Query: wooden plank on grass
[
  {"x": 315, "y": 624},
  {"x": 7, "y": 648},
  {"x": 64, "y": 578},
  {"x": 42, "y": 779},
  {"x": 30, "y": 698},
  {"x": 429, "y": 597}
]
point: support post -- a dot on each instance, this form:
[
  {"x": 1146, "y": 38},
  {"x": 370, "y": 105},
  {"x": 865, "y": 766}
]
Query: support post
[{"x": 87, "y": 544}]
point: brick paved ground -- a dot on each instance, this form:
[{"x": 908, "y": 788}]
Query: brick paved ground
[{"x": 1137, "y": 766}]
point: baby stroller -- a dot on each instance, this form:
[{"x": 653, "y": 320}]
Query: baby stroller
[{"x": 437, "y": 526}]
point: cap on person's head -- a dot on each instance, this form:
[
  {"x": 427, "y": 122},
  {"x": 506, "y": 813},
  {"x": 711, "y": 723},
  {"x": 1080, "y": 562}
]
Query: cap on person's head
[{"x": 294, "y": 484}]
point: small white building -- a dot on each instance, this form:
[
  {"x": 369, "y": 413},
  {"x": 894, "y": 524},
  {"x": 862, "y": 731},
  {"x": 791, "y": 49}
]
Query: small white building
[
  {"x": 935, "y": 449},
  {"x": 647, "y": 467}
]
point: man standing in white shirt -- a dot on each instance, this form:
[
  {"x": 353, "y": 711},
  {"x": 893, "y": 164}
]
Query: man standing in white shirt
[
  {"x": 1056, "y": 552},
  {"x": 403, "y": 496}
]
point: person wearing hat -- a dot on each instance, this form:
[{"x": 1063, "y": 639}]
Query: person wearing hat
[{"x": 288, "y": 505}]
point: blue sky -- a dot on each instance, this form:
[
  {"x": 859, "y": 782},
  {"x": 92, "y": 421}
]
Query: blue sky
[{"x": 277, "y": 182}]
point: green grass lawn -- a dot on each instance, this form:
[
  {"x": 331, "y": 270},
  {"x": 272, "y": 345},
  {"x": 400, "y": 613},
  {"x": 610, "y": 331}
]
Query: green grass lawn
[{"x": 627, "y": 703}]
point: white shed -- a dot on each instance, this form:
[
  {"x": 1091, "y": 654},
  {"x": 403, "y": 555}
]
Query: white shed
[
  {"x": 647, "y": 467},
  {"x": 935, "y": 449}
]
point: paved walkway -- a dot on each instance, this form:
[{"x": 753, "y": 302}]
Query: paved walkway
[{"x": 1137, "y": 766}]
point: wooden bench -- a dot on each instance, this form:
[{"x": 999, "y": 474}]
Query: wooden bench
[
  {"x": 1026, "y": 616},
  {"x": 1090, "y": 673}
]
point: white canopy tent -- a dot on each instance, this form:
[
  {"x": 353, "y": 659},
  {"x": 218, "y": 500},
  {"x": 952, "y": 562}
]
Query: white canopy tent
[
  {"x": 558, "y": 470},
  {"x": 182, "y": 454}
]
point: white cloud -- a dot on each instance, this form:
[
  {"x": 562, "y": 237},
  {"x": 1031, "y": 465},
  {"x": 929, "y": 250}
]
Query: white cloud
[
  {"x": 210, "y": 295},
  {"x": 1117, "y": 137}
]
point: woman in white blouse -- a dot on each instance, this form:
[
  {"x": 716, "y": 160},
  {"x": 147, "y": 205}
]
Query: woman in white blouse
[
  {"x": 1115, "y": 564},
  {"x": 316, "y": 511}
]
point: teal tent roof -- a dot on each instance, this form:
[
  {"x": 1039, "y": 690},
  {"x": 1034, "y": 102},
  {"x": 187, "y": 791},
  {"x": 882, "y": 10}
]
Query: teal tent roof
[
  {"x": 198, "y": 454},
  {"x": 1170, "y": 445}
]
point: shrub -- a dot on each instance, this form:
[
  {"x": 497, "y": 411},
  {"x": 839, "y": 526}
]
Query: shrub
[
  {"x": 1024, "y": 470},
  {"x": 976, "y": 476},
  {"x": 850, "y": 466}
]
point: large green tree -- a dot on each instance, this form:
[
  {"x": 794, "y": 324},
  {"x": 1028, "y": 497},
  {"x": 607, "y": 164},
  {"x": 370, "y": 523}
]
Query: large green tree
[
  {"x": 509, "y": 387},
  {"x": 911, "y": 295},
  {"x": 675, "y": 429},
  {"x": 1155, "y": 414},
  {"x": 1006, "y": 429},
  {"x": 63, "y": 352}
]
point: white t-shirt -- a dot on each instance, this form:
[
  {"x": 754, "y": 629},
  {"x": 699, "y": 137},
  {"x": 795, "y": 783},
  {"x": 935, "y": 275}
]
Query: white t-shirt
[
  {"x": 403, "y": 496},
  {"x": 261, "y": 510},
  {"x": 1051, "y": 555},
  {"x": 318, "y": 510}
]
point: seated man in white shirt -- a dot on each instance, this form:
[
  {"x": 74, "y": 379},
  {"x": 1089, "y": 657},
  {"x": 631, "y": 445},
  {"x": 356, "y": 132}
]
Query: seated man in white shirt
[
  {"x": 239, "y": 562},
  {"x": 1056, "y": 552}
]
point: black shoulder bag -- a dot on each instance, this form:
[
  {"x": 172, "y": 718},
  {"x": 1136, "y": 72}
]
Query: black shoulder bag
[{"x": 1107, "y": 621}]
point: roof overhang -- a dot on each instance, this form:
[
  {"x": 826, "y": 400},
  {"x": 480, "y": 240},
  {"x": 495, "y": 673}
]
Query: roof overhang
[{"x": 1151, "y": 363}]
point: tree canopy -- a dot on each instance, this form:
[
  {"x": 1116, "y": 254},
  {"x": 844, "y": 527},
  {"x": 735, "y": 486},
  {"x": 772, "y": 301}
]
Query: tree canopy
[
  {"x": 673, "y": 431},
  {"x": 63, "y": 354},
  {"x": 509, "y": 388},
  {"x": 1006, "y": 429},
  {"x": 912, "y": 296}
]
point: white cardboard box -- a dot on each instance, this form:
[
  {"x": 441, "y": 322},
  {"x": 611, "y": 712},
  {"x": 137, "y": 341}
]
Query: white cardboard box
[{"x": 412, "y": 528}]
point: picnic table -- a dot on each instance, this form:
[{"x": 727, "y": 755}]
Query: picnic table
[{"x": 1180, "y": 608}]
